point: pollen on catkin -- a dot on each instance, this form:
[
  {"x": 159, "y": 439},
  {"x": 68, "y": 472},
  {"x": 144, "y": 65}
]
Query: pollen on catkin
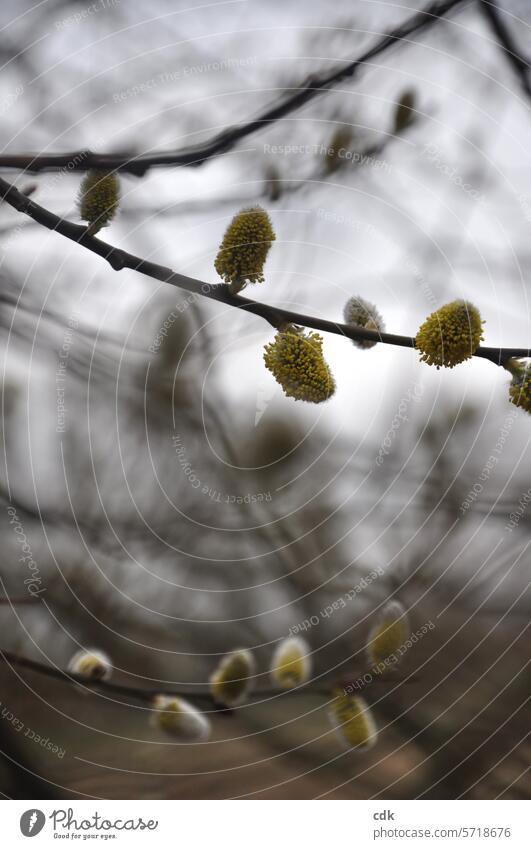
[
  {"x": 91, "y": 664},
  {"x": 520, "y": 388},
  {"x": 232, "y": 679},
  {"x": 99, "y": 198},
  {"x": 179, "y": 718},
  {"x": 296, "y": 361},
  {"x": 361, "y": 313},
  {"x": 387, "y": 638},
  {"x": 353, "y": 722},
  {"x": 450, "y": 335},
  {"x": 244, "y": 248},
  {"x": 291, "y": 665}
]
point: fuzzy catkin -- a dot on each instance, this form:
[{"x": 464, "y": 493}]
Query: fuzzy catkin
[
  {"x": 361, "y": 313},
  {"x": 296, "y": 361},
  {"x": 291, "y": 664},
  {"x": 232, "y": 679},
  {"x": 244, "y": 249},
  {"x": 450, "y": 335},
  {"x": 352, "y": 720},
  {"x": 99, "y": 199},
  {"x": 520, "y": 388},
  {"x": 386, "y": 639}
]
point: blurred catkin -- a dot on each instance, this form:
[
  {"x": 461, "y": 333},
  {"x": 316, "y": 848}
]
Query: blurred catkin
[
  {"x": 352, "y": 720},
  {"x": 233, "y": 678},
  {"x": 92, "y": 664},
  {"x": 291, "y": 664},
  {"x": 179, "y": 718},
  {"x": 387, "y": 638},
  {"x": 99, "y": 199},
  {"x": 520, "y": 388}
]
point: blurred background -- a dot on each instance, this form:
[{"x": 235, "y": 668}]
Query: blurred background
[{"x": 174, "y": 504}]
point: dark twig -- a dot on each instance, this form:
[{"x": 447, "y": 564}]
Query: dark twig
[
  {"x": 119, "y": 259},
  {"x": 294, "y": 98},
  {"x": 494, "y": 15},
  {"x": 15, "y": 602},
  {"x": 145, "y": 695}
]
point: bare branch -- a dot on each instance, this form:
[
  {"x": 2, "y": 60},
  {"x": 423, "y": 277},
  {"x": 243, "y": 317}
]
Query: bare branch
[
  {"x": 293, "y": 99},
  {"x": 494, "y": 15},
  {"x": 119, "y": 259},
  {"x": 143, "y": 695}
]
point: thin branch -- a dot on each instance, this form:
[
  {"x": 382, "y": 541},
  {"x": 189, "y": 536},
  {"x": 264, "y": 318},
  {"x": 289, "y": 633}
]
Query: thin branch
[
  {"x": 294, "y": 98},
  {"x": 119, "y": 259},
  {"x": 14, "y": 602},
  {"x": 145, "y": 695},
  {"x": 494, "y": 15}
]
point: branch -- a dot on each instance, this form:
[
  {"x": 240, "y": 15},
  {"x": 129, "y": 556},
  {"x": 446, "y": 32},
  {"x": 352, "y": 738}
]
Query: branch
[
  {"x": 494, "y": 16},
  {"x": 293, "y": 99},
  {"x": 140, "y": 694},
  {"x": 14, "y": 602},
  {"x": 146, "y": 695},
  {"x": 119, "y": 259}
]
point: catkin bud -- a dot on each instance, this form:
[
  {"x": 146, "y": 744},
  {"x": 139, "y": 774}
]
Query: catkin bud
[
  {"x": 292, "y": 664},
  {"x": 353, "y": 722},
  {"x": 296, "y": 362},
  {"x": 179, "y": 718},
  {"x": 340, "y": 141},
  {"x": 404, "y": 111},
  {"x": 244, "y": 248},
  {"x": 273, "y": 183},
  {"x": 233, "y": 678},
  {"x": 386, "y": 641},
  {"x": 450, "y": 335},
  {"x": 99, "y": 199},
  {"x": 520, "y": 388},
  {"x": 361, "y": 313},
  {"x": 92, "y": 664}
]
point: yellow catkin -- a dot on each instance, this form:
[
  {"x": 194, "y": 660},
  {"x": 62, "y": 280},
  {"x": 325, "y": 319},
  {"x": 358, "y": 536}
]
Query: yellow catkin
[
  {"x": 520, "y": 388},
  {"x": 386, "y": 641},
  {"x": 291, "y": 664},
  {"x": 99, "y": 199},
  {"x": 296, "y": 361},
  {"x": 244, "y": 248},
  {"x": 92, "y": 664},
  {"x": 233, "y": 677},
  {"x": 450, "y": 335},
  {"x": 179, "y": 718},
  {"x": 352, "y": 720}
]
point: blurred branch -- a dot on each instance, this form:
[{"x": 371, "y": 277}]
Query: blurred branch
[
  {"x": 16, "y": 601},
  {"x": 494, "y": 16},
  {"x": 119, "y": 259},
  {"x": 294, "y": 98},
  {"x": 138, "y": 693},
  {"x": 146, "y": 695}
]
